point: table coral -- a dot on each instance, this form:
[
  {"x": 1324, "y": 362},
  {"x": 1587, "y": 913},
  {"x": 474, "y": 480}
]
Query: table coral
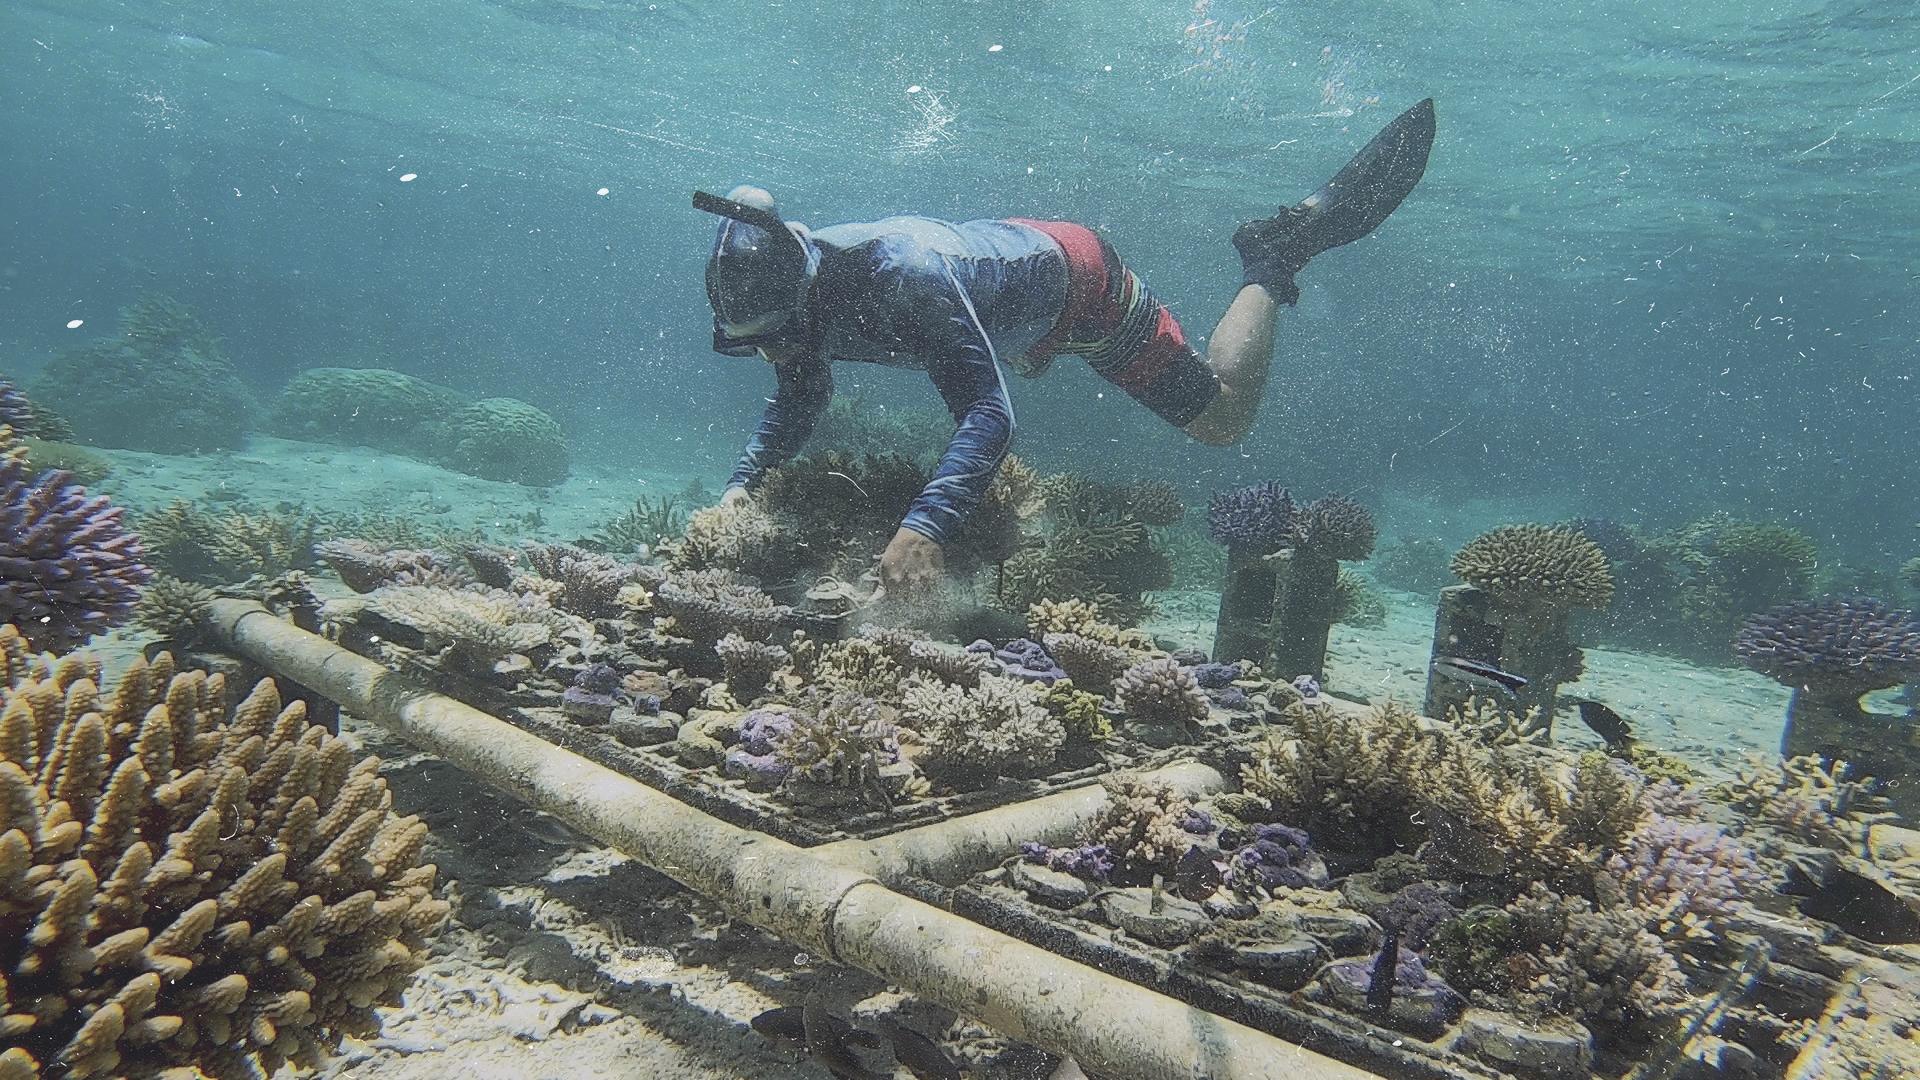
[
  {"x": 1258, "y": 519},
  {"x": 480, "y": 625},
  {"x": 194, "y": 887},
  {"x": 1833, "y": 647},
  {"x": 364, "y": 566}
]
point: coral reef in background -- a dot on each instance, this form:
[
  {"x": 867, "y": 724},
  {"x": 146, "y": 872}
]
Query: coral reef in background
[
  {"x": 164, "y": 385},
  {"x": 1417, "y": 564},
  {"x": 223, "y": 547},
  {"x": 86, "y": 468},
  {"x": 1094, "y": 543},
  {"x": 1529, "y": 566},
  {"x": 857, "y": 426},
  {"x": 1833, "y": 647},
  {"x": 30, "y": 421},
  {"x": 503, "y": 438},
  {"x": 68, "y": 568},
  {"x": 189, "y": 887},
  {"x": 387, "y": 410},
  {"x": 1355, "y": 603},
  {"x": 998, "y": 728}
]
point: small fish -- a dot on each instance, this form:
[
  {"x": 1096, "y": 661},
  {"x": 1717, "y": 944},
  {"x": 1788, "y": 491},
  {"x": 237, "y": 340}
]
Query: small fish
[
  {"x": 1477, "y": 675},
  {"x": 1607, "y": 724},
  {"x": 1386, "y": 968}
]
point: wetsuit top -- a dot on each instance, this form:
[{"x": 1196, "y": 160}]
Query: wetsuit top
[{"x": 953, "y": 300}]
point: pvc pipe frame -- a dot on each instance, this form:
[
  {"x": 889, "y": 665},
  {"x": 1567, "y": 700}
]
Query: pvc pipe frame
[{"x": 1109, "y": 1026}]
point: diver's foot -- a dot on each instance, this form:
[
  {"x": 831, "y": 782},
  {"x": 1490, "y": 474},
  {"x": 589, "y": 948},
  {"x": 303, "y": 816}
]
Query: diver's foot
[{"x": 1346, "y": 208}]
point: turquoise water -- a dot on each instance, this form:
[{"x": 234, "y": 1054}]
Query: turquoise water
[
  {"x": 1658, "y": 263},
  {"x": 1660, "y": 267}
]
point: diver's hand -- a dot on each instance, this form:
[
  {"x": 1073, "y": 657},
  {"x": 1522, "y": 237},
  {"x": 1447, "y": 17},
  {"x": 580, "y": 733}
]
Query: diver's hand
[
  {"x": 735, "y": 496},
  {"x": 911, "y": 563}
]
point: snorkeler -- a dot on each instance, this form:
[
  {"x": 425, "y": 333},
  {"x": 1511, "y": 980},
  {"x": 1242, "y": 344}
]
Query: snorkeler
[{"x": 956, "y": 300}]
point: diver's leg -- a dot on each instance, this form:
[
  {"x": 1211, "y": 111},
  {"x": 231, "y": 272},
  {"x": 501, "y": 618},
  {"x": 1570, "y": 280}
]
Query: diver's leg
[{"x": 1240, "y": 352}]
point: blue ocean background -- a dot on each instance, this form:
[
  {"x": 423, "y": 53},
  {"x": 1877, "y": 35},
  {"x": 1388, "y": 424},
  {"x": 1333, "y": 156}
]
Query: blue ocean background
[{"x": 1662, "y": 263}]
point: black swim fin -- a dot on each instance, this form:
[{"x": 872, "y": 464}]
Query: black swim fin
[{"x": 1346, "y": 208}]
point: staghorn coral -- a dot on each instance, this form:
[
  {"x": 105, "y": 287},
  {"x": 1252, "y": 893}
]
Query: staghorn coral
[
  {"x": 506, "y": 439},
  {"x": 706, "y": 605},
  {"x": 1258, "y": 519},
  {"x": 1162, "y": 692},
  {"x": 742, "y": 538},
  {"x": 858, "y": 426},
  {"x": 1143, "y": 825},
  {"x": 1487, "y": 721},
  {"x": 1537, "y": 566},
  {"x": 1833, "y": 647},
  {"x": 839, "y": 740},
  {"x": 1083, "y": 618},
  {"x": 1093, "y": 546},
  {"x": 68, "y": 568},
  {"x": 189, "y": 887},
  {"x": 1091, "y": 664},
  {"x": 1808, "y": 798},
  {"x": 1078, "y": 712},
  {"x": 164, "y": 386},
  {"x": 857, "y": 664},
  {"x": 1597, "y": 966},
  {"x": 172, "y": 609},
  {"x": 377, "y": 407},
  {"x": 997, "y": 728},
  {"x": 589, "y": 583},
  {"x": 748, "y": 664},
  {"x": 228, "y": 546},
  {"x": 1155, "y": 502},
  {"x": 1682, "y": 875},
  {"x": 478, "y": 626},
  {"x": 1335, "y": 527},
  {"x": 1353, "y": 784},
  {"x": 364, "y": 566}
]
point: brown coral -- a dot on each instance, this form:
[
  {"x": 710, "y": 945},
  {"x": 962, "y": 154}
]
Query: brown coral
[
  {"x": 743, "y": 538},
  {"x": 1141, "y": 824},
  {"x": 1537, "y": 566},
  {"x": 996, "y": 728},
  {"x": 189, "y": 886},
  {"x": 1093, "y": 665},
  {"x": 171, "y": 608},
  {"x": 748, "y": 664},
  {"x": 1160, "y": 691}
]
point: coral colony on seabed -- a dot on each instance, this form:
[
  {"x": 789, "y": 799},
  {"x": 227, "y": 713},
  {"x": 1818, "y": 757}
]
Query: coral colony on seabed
[{"x": 201, "y": 873}]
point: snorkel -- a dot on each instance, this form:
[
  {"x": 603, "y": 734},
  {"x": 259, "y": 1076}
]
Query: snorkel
[{"x": 758, "y": 277}]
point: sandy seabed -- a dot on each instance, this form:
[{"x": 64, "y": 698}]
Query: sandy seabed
[{"x": 565, "y": 959}]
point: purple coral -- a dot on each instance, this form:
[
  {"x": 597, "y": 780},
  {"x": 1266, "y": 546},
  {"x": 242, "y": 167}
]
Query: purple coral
[
  {"x": 1418, "y": 999},
  {"x": 1336, "y": 527},
  {"x": 1837, "y": 645},
  {"x": 1257, "y": 520},
  {"x": 1089, "y": 862},
  {"x": 1308, "y": 688},
  {"x": 755, "y": 759},
  {"x": 1272, "y": 857},
  {"x": 68, "y": 568},
  {"x": 1416, "y": 911},
  {"x": 14, "y": 410},
  {"x": 1677, "y": 868},
  {"x": 1022, "y": 659},
  {"x": 593, "y": 696},
  {"x": 1213, "y": 676}
]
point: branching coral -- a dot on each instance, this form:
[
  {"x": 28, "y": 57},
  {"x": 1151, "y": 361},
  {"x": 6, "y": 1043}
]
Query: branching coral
[
  {"x": 1680, "y": 875},
  {"x": 1091, "y": 664},
  {"x": 225, "y": 547},
  {"x": 188, "y": 887},
  {"x": 858, "y": 665},
  {"x": 1095, "y": 547},
  {"x": 1537, "y": 566},
  {"x": 748, "y": 664},
  {"x": 68, "y": 568},
  {"x": 1143, "y": 825},
  {"x": 1809, "y": 799},
  {"x": 589, "y": 583},
  {"x": 1833, "y": 647},
  {"x": 1487, "y": 721},
  {"x": 172, "y": 609},
  {"x": 840, "y": 509},
  {"x": 706, "y": 605},
  {"x": 1602, "y": 966},
  {"x": 1335, "y": 527},
  {"x": 479, "y": 625},
  {"x": 1355, "y": 603},
  {"x": 839, "y": 740},
  {"x": 1258, "y": 519},
  {"x": 1349, "y": 783},
  {"x": 364, "y": 566},
  {"x": 997, "y": 728},
  {"x": 742, "y": 538},
  {"x": 29, "y": 421},
  {"x": 1078, "y": 712},
  {"x": 1162, "y": 692}
]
